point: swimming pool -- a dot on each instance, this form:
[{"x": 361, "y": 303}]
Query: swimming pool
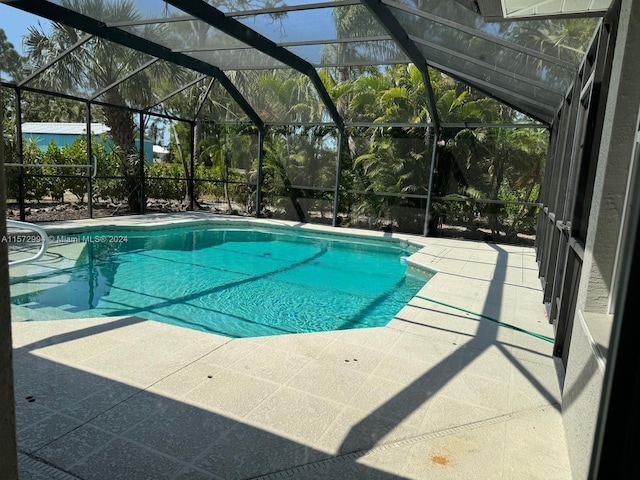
[{"x": 232, "y": 281}]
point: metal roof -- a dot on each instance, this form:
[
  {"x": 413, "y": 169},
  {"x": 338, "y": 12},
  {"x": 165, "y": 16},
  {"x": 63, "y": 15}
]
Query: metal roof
[
  {"x": 62, "y": 128},
  {"x": 222, "y": 46}
]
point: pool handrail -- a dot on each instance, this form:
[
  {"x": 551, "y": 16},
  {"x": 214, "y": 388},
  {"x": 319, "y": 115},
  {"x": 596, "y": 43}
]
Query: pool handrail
[
  {"x": 93, "y": 166},
  {"x": 44, "y": 237}
]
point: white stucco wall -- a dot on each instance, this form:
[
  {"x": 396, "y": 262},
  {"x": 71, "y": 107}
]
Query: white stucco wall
[{"x": 585, "y": 371}]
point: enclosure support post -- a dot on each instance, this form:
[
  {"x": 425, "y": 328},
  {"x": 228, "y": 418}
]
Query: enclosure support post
[
  {"x": 434, "y": 156},
  {"x": 192, "y": 170},
  {"x": 21, "y": 180},
  {"x": 8, "y": 444},
  {"x": 90, "y": 173},
  {"x": 259, "y": 176},
  {"x": 143, "y": 203},
  {"x": 336, "y": 198}
]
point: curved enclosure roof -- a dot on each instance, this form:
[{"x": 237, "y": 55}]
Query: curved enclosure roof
[{"x": 166, "y": 54}]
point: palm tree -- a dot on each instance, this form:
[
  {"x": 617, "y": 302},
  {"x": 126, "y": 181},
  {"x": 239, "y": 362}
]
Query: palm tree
[
  {"x": 507, "y": 164},
  {"x": 565, "y": 38},
  {"x": 95, "y": 65},
  {"x": 293, "y": 155},
  {"x": 286, "y": 96},
  {"x": 457, "y": 103},
  {"x": 197, "y": 36},
  {"x": 352, "y": 21},
  {"x": 224, "y": 146},
  {"x": 395, "y": 160},
  {"x": 278, "y": 159},
  {"x": 473, "y": 163}
]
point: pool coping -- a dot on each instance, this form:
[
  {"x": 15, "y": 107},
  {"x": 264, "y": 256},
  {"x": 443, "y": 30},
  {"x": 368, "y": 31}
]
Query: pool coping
[{"x": 181, "y": 220}]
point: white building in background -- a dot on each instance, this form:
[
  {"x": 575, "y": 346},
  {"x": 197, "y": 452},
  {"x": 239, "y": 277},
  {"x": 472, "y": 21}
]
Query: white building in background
[{"x": 160, "y": 153}]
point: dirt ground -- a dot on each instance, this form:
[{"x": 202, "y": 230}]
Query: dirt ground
[{"x": 51, "y": 212}]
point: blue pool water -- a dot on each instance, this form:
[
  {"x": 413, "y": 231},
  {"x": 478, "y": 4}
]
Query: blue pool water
[{"x": 234, "y": 282}]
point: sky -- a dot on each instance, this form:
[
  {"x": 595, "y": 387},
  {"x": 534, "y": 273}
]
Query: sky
[{"x": 14, "y": 22}]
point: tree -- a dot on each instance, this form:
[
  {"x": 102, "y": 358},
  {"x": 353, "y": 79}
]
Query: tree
[
  {"x": 509, "y": 163},
  {"x": 179, "y": 143},
  {"x": 457, "y": 103},
  {"x": 397, "y": 159},
  {"x": 293, "y": 154},
  {"x": 45, "y": 108},
  {"x": 351, "y": 21},
  {"x": 205, "y": 99},
  {"x": 278, "y": 161},
  {"x": 10, "y": 60},
  {"x": 228, "y": 149},
  {"x": 565, "y": 38},
  {"x": 499, "y": 164}
]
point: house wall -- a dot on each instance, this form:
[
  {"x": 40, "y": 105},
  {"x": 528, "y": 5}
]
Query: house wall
[
  {"x": 603, "y": 251},
  {"x": 44, "y": 139}
]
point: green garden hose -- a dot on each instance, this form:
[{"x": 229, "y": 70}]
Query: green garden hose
[{"x": 537, "y": 335}]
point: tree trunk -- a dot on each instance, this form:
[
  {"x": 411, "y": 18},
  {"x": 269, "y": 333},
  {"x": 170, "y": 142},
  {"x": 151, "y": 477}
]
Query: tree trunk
[
  {"x": 494, "y": 222},
  {"x": 123, "y": 134},
  {"x": 197, "y": 141},
  {"x": 185, "y": 169},
  {"x": 226, "y": 182}
]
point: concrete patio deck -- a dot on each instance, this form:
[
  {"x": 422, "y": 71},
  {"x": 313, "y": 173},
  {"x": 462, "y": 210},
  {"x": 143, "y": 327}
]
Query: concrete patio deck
[{"x": 438, "y": 393}]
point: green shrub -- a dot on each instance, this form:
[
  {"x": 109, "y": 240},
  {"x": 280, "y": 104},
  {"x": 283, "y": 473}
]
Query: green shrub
[{"x": 170, "y": 186}]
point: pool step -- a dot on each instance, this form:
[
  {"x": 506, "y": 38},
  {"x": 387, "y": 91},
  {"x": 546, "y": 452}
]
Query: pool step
[
  {"x": 22, "y": 313},
  {"x": 58, "y": 256},
  {"x": 29, "y": 279},
  {"x": 38, "y": 284}
]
